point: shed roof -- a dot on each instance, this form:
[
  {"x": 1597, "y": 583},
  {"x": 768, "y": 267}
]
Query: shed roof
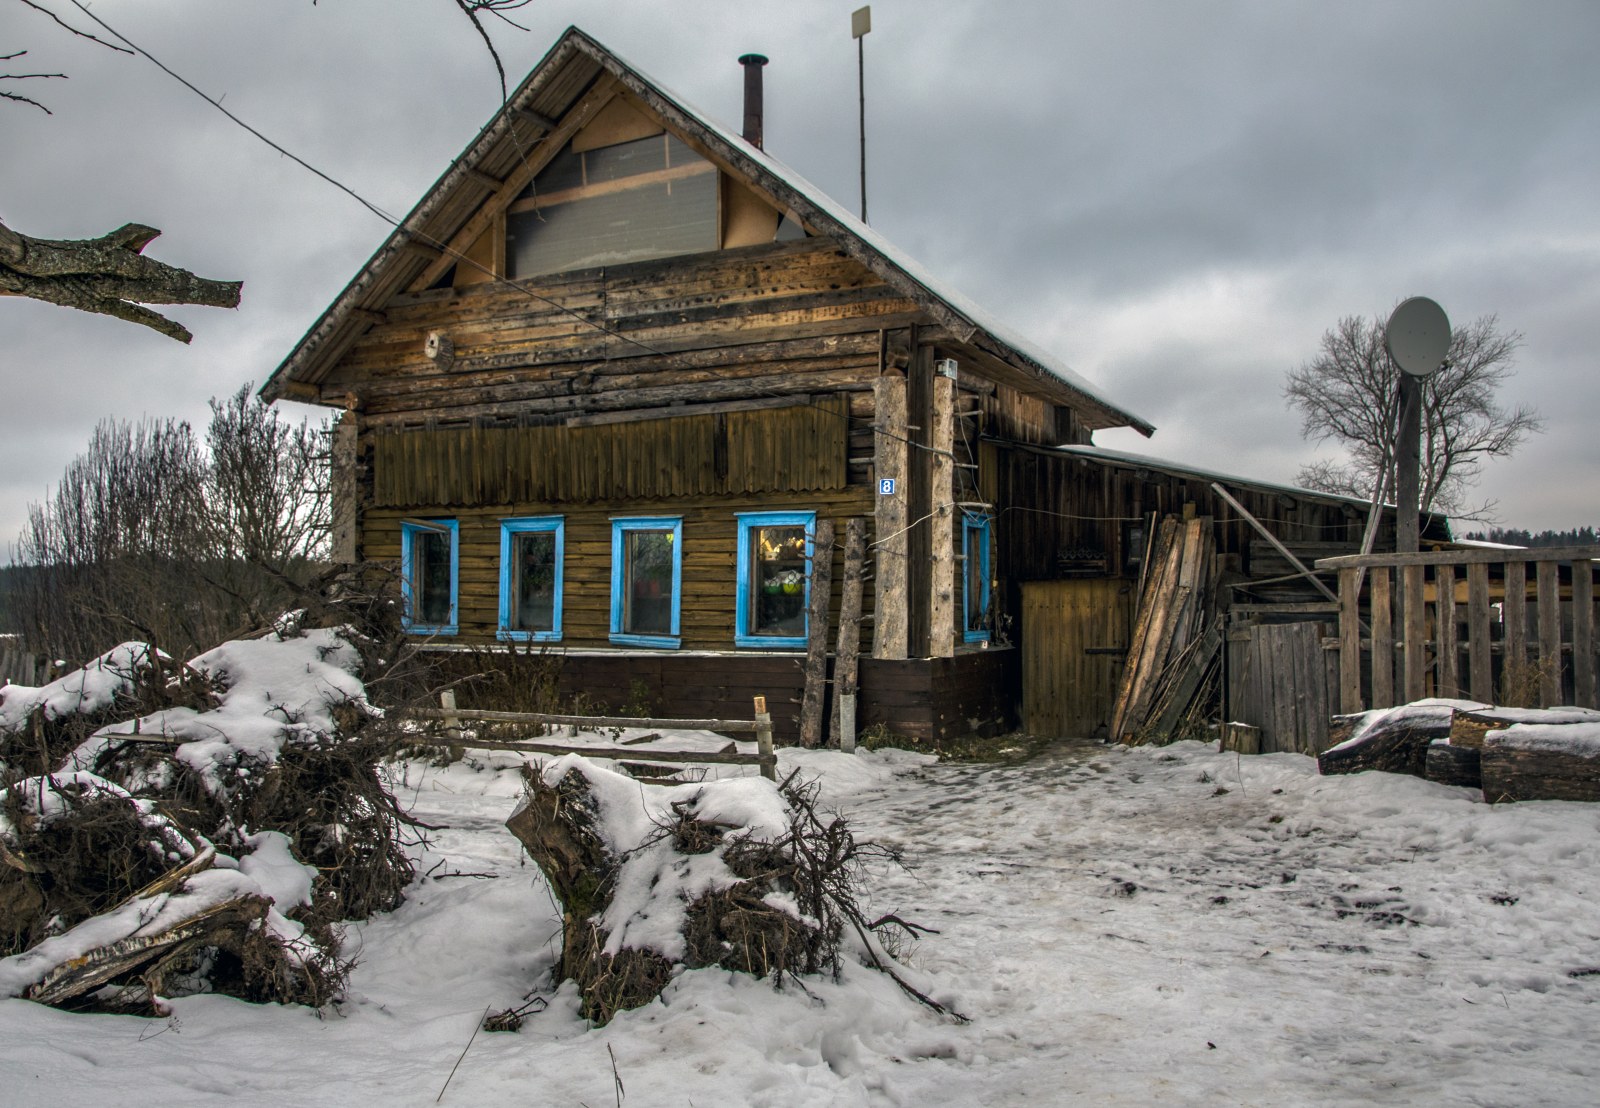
[{"x": 550, "y": 90}]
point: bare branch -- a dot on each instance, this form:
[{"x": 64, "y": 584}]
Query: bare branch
[
  {"x": 69, "y": 27},
  {"x": 108, "y": 276}
]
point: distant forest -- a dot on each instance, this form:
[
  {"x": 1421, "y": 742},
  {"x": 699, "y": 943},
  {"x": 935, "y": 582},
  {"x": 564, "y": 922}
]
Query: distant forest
[{"x": 1511, "y": 536}]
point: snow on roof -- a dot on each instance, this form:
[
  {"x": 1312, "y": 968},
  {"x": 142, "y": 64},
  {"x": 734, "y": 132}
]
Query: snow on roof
[
  {"x": 1122, "y": 457},
  {"x": 959, "y": 302}
]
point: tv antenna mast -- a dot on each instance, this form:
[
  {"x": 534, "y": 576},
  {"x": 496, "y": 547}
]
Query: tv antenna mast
[
  {"x": 1417, "y": 338},
  {"x": 860, "y": 24}
]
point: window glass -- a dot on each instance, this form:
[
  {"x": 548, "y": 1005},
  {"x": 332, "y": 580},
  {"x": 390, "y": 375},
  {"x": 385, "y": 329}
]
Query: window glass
[
  {"x": 428, "y": 571},
  {"x": 650, "y": 198},
  {"x": 777, "y": 581},
  {"x": 774, "y": 547},
  {"x": 646, "y": 567},
  {"x": 530, "y": 578},
  {"x": 647, "y": 597},
  {"x": 533, "y": 581},
  {"x": 977, "y": 617}
]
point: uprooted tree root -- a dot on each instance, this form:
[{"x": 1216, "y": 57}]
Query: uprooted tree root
[{"x": 784, "y": 916}]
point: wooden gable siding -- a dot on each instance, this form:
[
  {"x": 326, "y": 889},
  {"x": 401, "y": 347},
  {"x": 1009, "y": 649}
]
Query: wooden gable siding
[
  {"x": 710, "y": 538},
  {"x": 792, "y": 449},
  {"x": 752, "y": 321}
]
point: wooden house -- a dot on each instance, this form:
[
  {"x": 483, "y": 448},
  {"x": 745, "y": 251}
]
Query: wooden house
[{"x": 604, "y": 382}]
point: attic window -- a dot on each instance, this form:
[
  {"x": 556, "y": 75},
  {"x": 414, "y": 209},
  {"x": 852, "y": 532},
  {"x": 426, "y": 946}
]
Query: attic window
[{"x": 649, "y": 198}]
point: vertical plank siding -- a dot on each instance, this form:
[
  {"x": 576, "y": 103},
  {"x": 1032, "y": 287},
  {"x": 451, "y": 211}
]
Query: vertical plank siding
[{"x": 1547, "y": 663}]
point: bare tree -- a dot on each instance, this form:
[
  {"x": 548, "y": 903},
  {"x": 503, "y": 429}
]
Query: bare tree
[
  {"x": 150, "y": 536},
  {"x": 1349, "y": 393}
]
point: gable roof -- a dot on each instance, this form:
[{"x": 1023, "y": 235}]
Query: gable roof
[{"x": 554, "y": 86}]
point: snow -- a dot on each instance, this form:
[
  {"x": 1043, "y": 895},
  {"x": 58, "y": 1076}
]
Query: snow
[
  {"x": 91, "y": 689},
  {"x": 1433, "y": 712},
  {"x": 279, "y": 688},
  {"x": 1581, "y": 740},
  {"x": 1124, "y": 926}
]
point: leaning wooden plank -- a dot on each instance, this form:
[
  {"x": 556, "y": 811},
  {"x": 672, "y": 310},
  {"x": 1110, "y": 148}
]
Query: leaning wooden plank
[
  {"x": 1391, "y": 739},
  {"x": 1530, "y": 761},
  {"x": 1162, "y": 574}
]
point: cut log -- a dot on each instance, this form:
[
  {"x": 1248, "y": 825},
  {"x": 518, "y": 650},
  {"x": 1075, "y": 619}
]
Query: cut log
[
  {"x": 1391, "y": 739},
  {"x": 1240, "y": 737},
  {"x": 1542, "y": 762},
  {"x": 1449, "y": 764},
  {"x": 1470, "y": 726}
]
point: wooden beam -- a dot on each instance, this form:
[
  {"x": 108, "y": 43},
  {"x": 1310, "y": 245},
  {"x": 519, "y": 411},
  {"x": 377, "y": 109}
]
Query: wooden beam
[
  {"x": 847, "y": 655},
  {"x": 889, "y": 627},
  {"x": 1350, "y": 641},
  {"x": 344, "y": 527},
  {"x": 644, "y": 414},
  {"x": 1548, "y": 580},
  {"x": 1413, "y": 624},
  {"x": 604, "y": 91},
  {"x": 1464, "y": 557},
  {"x": 487, "y": 180},
  {"x": 538, "y": 119},
  {"x": 1244, "y": 513},
  {"x": 1447, "y": 654},
  {"x": 941, "y": 537},
  {"x": 1382, "y": 638},
  {"x": 1480, "y": 663},
  {"x": 1514, "y": 618},
  {"x": 816, "y": 671},
  {"x": 368, "y": 316},
  {"x": 1583, "y": 679}
]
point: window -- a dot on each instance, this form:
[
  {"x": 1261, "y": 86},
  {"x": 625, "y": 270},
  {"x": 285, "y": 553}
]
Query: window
[
  {"x": 429, "y": 569},
  {"x": 649, "y": 198},
  {"x": 646, "y": 576},
  {"x": 773, "y": 584},
  {"x": 530, "y": 578},
  {"x": 977, "y": 617}
]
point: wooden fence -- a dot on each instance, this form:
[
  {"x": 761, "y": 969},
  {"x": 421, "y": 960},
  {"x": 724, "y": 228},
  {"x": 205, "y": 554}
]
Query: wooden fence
[{"x": 1497, "y": 626}]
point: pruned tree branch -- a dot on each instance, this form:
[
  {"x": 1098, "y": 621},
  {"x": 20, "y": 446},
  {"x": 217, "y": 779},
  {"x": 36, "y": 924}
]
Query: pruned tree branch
[{"x": 109, "y": 276}]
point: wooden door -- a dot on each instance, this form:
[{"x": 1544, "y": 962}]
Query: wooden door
[{"x": 1074, "y": 640}]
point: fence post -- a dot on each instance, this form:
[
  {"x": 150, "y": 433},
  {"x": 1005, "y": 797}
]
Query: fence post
[
  {"x": 452, "y": 722},
  {"x": 769, "y": 760}
]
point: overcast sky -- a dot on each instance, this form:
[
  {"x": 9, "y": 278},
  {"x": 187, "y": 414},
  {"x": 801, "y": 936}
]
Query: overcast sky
[{"x": 1176, "y": 198}]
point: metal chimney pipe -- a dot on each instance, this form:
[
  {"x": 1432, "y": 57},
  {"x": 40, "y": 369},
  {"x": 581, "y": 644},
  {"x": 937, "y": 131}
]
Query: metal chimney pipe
[{"x": 753, "y": 106}]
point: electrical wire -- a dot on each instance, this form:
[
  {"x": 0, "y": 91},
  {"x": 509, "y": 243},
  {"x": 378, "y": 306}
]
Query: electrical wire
[{"x": 457, "y": 256}]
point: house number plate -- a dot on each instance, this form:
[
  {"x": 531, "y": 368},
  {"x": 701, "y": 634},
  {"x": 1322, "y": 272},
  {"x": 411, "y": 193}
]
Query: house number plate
[{"x": 886, "y": 486}]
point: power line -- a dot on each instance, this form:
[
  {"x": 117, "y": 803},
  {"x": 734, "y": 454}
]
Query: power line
[{"x": 444, "y": 248}]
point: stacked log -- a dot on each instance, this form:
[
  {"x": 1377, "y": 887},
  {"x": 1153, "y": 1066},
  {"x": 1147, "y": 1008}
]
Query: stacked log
[
  {"x": 1392, "y": 739},
  {"x": 1449, "y": 764},
  {"x": 1542, "y": 761}
]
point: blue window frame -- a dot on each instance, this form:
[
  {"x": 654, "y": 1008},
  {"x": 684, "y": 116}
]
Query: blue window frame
[
  {"x": 532, "y": 552},
  {"x": 775, "y": 549},
  {"x": 646, "y": 580},
  {"x": 977, "y": 617},
  {"x": 430, "y": 570}
]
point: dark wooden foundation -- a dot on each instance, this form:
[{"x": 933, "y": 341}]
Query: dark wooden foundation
[{"x": 921, "y": 700}]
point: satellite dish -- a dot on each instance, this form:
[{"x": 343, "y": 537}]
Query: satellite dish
[{"x": 1418, "y": 336}]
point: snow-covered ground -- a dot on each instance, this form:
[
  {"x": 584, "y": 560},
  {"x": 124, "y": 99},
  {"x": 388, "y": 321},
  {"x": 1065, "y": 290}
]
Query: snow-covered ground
[{"x": 1145, "y": 926}]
